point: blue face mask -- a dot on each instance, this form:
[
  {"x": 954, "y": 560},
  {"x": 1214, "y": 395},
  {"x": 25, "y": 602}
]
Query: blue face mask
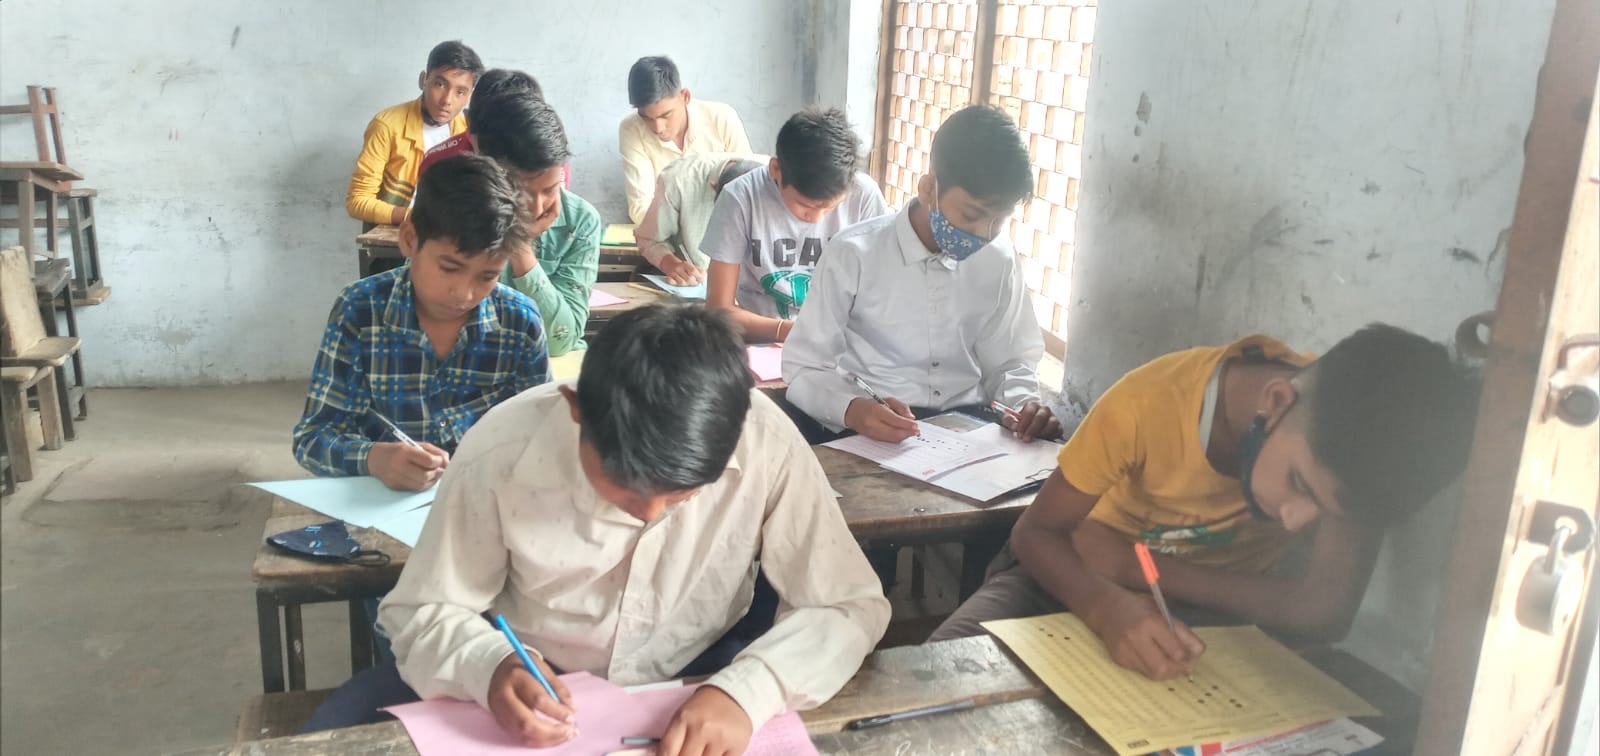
[
  {"x": 1249, "y": 449},
  {"x": 950, "y": 240}
]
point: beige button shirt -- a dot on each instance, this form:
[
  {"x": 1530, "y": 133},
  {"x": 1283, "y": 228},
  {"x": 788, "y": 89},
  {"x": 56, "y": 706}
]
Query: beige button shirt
[
  {"x": 713, "y": 127},
  {"x": 517, "y": 529},
  {"x": 682, "y": 205}
]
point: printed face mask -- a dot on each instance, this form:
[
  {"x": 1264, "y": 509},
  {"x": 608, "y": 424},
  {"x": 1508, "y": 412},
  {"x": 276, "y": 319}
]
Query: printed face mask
[{"x": 952, "y": 241}]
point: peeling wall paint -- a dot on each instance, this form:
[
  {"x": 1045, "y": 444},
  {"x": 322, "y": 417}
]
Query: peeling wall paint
[
  {"x": 221, "y": 138},
  {"x": 1302, "y": 168}
]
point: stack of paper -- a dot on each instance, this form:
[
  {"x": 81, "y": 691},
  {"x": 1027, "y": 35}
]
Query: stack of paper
[
  {"x": 606, "y": 714},
  {"x": 598, "y": 298},
  {"x": 959, "y": 453},
  {"x": 697, "y": 291},
  {"x": 617, "y": 235},
  {"x": 933, "y": 452}
]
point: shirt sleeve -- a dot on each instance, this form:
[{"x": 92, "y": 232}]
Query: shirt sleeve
[
  {"x": 656, "y": 228},
  {"x": 561, "y": 282},
  {"x": 1010, "y": 345},
  {"x": 361, "y": 201},
  {"x": 728, "y": 232},
  {"x": 831, "y": 610},
  {"x": 328, "y": 439},
  {"x": 442, "y": 646},
  {"x": 1106, "y": 446},
  {"x": 811, "y": 354},
  {"x": 638, "y": 173}
]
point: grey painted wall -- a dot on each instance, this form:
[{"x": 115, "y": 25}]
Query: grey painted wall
[
  {"x": 221, "y": 137},
  {"x": 1301, "y": 168}
]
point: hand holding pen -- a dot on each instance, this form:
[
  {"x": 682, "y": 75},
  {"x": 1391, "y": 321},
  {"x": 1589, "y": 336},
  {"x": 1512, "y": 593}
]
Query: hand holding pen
[
  {"x": 536, "y": 707},
  {"x": 408, "y": 465},
  {"x": 888, "y": 420}
]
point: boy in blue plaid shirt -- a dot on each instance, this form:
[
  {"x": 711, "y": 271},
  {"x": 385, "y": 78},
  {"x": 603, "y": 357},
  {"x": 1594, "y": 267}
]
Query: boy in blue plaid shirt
[{"x": 431, "y": 345}]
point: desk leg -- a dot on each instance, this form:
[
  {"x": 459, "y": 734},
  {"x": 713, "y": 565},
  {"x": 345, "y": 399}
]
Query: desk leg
[
  {"x": 976, "y": 553},
  {"x": 360, "y": 637},
  {"x": 297, "y": 646},
  {"x": 77, "y": 357},
  {"x": 47, "y": 313},
  {"x": 271, "y": 643}
]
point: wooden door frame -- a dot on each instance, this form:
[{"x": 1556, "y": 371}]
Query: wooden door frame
[{"x": 1554, "y": 146}]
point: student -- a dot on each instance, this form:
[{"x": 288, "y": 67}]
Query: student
[
  {"x": 669, "y": 236},
  {"x": 385, "y": 178},
  {"x": 512, "y": 124},
  {"x": 668, "y": 124},
  {"x": 928, "y": 306},
  {"x": 616, "y": 525},
  {"x": 1217, "y": 457},
  {"x": 767, "y": 229}
]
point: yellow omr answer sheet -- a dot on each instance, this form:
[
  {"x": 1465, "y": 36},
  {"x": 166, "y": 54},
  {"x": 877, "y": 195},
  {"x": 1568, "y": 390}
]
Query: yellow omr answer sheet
[{"x": 1245, "y": 685}]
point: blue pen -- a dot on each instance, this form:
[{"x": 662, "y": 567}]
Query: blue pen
[{"x": 522, "y": 653}]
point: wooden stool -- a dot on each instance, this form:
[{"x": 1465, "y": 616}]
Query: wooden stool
[
  {"x": 15, "y": 382},
  {"x": 50, "y": 286},
  {"x": 23, "y": 340}
]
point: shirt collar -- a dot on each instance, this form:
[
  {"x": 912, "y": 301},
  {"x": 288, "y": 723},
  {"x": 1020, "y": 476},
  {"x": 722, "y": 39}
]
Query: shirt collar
[
  {"x": 414, "y": 123},
  {"x": 911, "y": 247}
]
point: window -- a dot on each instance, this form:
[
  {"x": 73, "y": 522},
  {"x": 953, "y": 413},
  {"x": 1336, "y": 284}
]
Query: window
[{"x": 1030, "y": 58}]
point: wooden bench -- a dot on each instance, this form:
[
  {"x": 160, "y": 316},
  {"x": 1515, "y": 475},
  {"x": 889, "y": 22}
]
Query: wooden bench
[{"x": 277, "y": 715}]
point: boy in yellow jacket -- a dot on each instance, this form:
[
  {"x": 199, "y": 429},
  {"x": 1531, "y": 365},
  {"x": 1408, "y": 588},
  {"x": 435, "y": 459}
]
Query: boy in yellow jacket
[{"x": 386, "y": 171}]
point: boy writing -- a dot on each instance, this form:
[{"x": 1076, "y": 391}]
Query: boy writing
[
  {"x": 669, "y": 236},
  {"x": 385, "y": 177},
  {"x": 616, "y": 525},
  {"x": 668, "y": 124},
  {"x": 928, "y": 306},
  {"x": 1216, "y": 457},
  {"x": 512, "y": 124},
  {"x": 767, "y": 229},
  {"x": 431, "y": 345}
]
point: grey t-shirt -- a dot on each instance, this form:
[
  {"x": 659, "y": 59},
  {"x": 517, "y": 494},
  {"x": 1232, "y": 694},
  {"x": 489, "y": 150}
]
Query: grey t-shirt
[{"x": 775, "y": 251}]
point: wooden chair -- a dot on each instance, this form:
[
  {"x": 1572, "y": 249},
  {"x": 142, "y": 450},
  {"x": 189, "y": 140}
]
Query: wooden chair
[
  {"x": 24, "y": 342},
  {"x": 44, "y": 108},
  {"x": 15, "y": 383}
]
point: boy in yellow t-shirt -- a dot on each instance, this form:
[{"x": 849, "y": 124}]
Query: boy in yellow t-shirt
[{"x": 1217, "y": 458}]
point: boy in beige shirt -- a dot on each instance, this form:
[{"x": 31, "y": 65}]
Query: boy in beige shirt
[
  {"x": 617, "y": 525},
  {"x": 668, "y": 124}
]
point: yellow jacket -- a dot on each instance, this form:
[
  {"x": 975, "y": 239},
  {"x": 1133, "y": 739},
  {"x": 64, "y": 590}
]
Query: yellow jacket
[{"x": 386, "y": 171}]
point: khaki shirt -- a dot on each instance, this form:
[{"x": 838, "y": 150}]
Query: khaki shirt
[
  {"x": 713, "y": 127},
  {"x": 517, "y": 529}
]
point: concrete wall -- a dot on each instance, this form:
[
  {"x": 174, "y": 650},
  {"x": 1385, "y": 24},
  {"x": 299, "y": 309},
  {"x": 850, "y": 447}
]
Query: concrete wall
[
  {"x": 221, "y": 137},
  {"x": 1301, "y": 168}
]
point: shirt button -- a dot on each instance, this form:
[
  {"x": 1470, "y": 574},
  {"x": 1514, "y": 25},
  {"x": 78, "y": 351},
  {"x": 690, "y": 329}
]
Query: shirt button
[
  {"x": 936, "y": 364},
  {"x": 937, "y": 394}
]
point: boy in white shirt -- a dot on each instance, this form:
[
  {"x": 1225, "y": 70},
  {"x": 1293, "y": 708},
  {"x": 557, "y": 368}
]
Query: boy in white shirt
[
  {"x": 617, "y": 525},
  {"x": 927, "y": 306},
  {"x": 768, "y": 228}
]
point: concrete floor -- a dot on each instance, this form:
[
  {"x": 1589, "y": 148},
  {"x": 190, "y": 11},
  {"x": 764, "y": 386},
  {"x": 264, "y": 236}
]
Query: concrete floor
[{"x": 128, "y": 621}]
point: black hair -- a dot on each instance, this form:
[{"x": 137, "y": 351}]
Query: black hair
[
  {"x": 498, "y": 83},
  {"x": 662, "y": 397},
  {"x": 520, "y": 129},
  {"x": 1392, "y": 419},
  {"x": 734, "y": 169},
  {"x": 818, "y": 153},
  {"x": 980, "y": 149},
  {"x": 453, "y": 54},
  {"x": 470, "y": 200},
  {"x": 652, "y": 78}
]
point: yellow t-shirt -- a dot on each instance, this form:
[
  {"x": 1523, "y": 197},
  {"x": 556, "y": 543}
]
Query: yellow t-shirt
[{"x": 1139, "y": 449}]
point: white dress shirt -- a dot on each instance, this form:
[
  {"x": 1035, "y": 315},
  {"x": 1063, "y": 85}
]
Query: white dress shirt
[
  {"x": 712, "y": 127},
  {"x": 913, "y": 325},
  {"x": 517, "y": 529}
]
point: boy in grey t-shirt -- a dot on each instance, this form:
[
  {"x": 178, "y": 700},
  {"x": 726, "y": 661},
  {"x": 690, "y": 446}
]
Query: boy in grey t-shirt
[{"x": 768, "y": 228}]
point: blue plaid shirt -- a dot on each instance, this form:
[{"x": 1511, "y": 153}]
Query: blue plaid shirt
[{"x": 375, "y": 356}]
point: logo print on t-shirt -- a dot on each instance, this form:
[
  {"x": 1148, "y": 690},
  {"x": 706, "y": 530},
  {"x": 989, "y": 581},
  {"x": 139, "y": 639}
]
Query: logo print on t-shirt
[{"x": 788, "y": 288}]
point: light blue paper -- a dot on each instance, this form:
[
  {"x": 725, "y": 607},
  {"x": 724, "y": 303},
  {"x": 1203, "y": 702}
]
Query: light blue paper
[
  {"x": 406, "y": 527},
  {"x": 362, "y": 501},
  {"x": 697, "y": 291}
]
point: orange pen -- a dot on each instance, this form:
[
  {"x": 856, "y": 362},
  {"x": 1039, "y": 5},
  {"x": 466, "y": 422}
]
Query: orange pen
[{"x": 1152, "y": 577}]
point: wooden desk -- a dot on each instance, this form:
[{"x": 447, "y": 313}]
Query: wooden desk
[
  {"x": 1021, "y": 716},
  {"x": 380, "y": 243},
  {"x": 23, "y": 183},
  {"x": 880, "y": 507}
]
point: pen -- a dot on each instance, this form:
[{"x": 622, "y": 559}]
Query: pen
[
  {"x": 522, "y": 653},
  {"x": 1151, "y": 576},
  {"x": 879, "y": 399},
  {"x": 631, "y": 740},
  {"x": 395, "y": 429},
  {"x": 879, "y": 721}
]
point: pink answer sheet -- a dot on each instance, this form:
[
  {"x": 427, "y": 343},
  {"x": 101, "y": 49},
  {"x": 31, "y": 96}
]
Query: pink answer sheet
[
  {"x": 766, "y": 362},
  {"x": 606, "y": 714},
  {"x": 598, "y": 298}
]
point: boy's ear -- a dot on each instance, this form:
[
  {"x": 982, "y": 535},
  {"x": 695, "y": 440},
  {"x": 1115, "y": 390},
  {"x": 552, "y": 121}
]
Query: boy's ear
[
  {"x": 684, "y": 93},
  {"x": 1276, "y": 397},
  {"x": 774, "y": 171},
  {"x": 408, "y": 238},
  {"x": 422, "y": 80},
  {"x": 925, "y": 189},
  {"x": 572, "y": 402}
]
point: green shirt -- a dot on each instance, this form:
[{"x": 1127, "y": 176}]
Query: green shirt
[{"x": 569, "y": 261}]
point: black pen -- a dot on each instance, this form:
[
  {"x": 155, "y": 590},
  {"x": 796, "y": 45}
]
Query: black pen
[{"x": 883, "y": 719}]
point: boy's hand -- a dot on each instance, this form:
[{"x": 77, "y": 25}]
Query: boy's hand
[
  {"x": 1137, "y": 636},
  {"x": 523, "y": 708},
  {"x": 404, "y": 467},
  {"x": 1108, "y": 553},
  {"x": 543, "y": 222},
  {"x": 710, "y": 723},
  {"x": 1033, "y": 421},
  {"x": 879, "y": 423},
  {"x": 680, "y": 272}
]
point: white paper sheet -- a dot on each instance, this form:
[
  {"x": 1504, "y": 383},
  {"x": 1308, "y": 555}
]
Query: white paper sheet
[{"x": 362, "y": 500}]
